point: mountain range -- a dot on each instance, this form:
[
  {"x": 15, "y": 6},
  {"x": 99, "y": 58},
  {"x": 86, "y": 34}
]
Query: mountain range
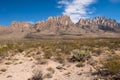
[{"x": 62, "y": 27}]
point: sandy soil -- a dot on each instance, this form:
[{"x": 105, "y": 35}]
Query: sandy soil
[{"x": 21, "y": 68}]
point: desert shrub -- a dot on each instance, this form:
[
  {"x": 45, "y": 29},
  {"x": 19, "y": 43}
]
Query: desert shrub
[
  {"x": 112, "y": 65},
  {"x": 4, "y": 48},
  {"x": 110, "y": 69},
  {"x": 80, "y": 55},
  {"x": 37, "y": 75},
  {"x": 60, "y": 57},
  {"x": 97, "y": 51},
  {"x": 8, "y": 62},
  {"x": 47, "y": 53},
  {"x": 20, "y": 50},
  {"x": 3, "y": 69},
  {"x": 50, "y": 69},
  {"x": 48, "y": 75},
  {"x": 80, "y": 64}
]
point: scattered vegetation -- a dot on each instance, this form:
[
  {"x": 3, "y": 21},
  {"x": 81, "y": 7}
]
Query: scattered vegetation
[
  {"x": 67, "y": 73},
  {"x": 61, "y": 50},
  {"x": 48, "y": 75},
  {"x": 113, "y": 67},
  {"x": 50, "y": 69},
  {"x": 42, "y": 61},
  {"x": 37, "y": 75},
  {"x": 80, "y": 55},
  {"x": 110, "y": 69},
  {"x": 52, "y": 47},
  {"x": 8, "y": 62},
  {"x": 80, "y": 64},
  {"x": 3, "y": 69}
]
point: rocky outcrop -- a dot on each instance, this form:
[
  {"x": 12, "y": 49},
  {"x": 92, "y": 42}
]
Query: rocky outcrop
[{"x": 21, "y": 27}]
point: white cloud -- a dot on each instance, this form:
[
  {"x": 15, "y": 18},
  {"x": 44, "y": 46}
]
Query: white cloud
[{"x": 76, "y": 9}]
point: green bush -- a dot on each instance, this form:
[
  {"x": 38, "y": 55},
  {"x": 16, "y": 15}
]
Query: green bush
[{"x": 80, "y": 55}]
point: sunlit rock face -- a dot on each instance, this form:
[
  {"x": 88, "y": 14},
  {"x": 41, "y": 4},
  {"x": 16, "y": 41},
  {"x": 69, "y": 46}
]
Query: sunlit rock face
[{"x": 21, "y": 26}]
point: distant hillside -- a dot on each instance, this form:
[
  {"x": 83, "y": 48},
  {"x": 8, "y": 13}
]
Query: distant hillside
[{"x": 62, "y": 26}]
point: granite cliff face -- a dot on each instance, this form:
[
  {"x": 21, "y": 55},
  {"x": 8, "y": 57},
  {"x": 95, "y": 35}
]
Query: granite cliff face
[{"x": 63, "y": 26}]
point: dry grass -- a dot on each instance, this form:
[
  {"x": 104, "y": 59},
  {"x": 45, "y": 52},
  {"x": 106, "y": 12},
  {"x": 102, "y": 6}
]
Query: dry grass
[
  {"x": 109, "y": 69},
  {"x": 112, "y": 65},
  {"x": 59, "y": 48},
  {"x": 3, "y": 69}
]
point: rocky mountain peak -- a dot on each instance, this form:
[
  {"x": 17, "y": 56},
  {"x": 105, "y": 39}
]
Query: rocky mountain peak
[
  {"x": 20, "y": 26},
  {"x": 99, "y": 24},
  {"x": 55, "y": 24},
  {"x": 61, "y": 20},
  {"x": 64, "y": 25}
]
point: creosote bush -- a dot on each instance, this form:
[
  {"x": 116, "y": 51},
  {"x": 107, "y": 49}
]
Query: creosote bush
[
  {"x": 37, "y": 75},
  {"x": 80, "y": 55},
  {"x": 110, "y": 69},
  {"x": 112, "y": 65}
]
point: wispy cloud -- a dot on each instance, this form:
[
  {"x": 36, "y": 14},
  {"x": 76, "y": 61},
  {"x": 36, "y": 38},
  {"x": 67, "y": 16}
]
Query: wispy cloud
[{"x": 76, "y": 9}]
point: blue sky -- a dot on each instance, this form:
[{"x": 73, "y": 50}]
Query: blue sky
[{"x": 36, "y": 10}]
